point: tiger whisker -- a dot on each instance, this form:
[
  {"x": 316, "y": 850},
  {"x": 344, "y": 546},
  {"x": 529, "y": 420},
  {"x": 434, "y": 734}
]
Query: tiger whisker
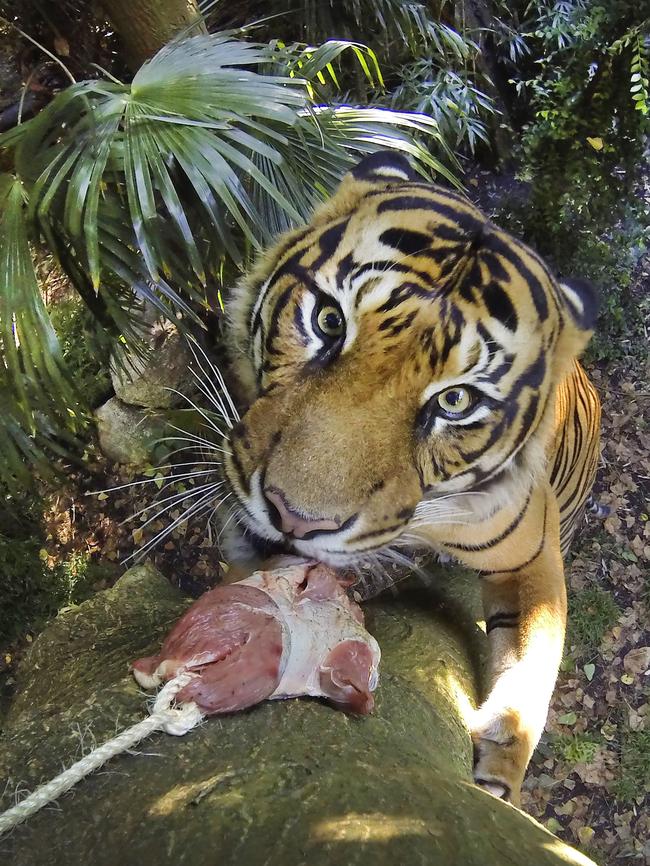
[
  {"x": 239, "y": 517},
  {"x": 220, "y": 379},
  {"x": 202, "y": 504},
  {"x": 435, "y": 508},
  {"x": 176, "y": 478},
  {"x": 187, "y": 463},
  {"x": 370, "y": 567},
  {"x": 456, "y": 495},
  {"x": 420, "y": 539},
  {"x": 424, "y": 523},
  {"x": 197, "y": 450},
  {"x": 401, "y": 559},
  {"x": 208, "y": 520},
  {"x": 438, "y": 514},
  {"x": 205, "y": 383},
  {"x": 377, "y": 565},
  {"x": 156, "y": 478},
  {"x": 190, "y": 402},
  {"x": 217, "y": 403},
  {"x": 436, "y": 503},
  {"x": 437, "y": 518},
  {"x": 227, "y": 522},
  {"x": 192, "y": 437},
  {"x": 173, "y": 500},
  {"x": 446, "y": 518},
  {"x": 232, "y": 509}
]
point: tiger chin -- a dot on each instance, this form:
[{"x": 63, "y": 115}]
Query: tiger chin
[{"x": 410, "y": 376}]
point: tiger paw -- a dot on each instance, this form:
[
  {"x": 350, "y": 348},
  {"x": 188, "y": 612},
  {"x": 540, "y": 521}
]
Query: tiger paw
[{"x": 502, "y": 749}]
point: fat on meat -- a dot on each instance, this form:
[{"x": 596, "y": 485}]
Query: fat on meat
[{"x": 277, "y": 634}]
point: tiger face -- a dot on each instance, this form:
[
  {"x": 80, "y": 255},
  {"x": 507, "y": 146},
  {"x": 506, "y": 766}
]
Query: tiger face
[{"x": 398, "y": 355}]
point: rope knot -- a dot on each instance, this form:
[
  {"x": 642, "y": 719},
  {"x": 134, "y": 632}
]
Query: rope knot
[{"x": 172, "y": 718}]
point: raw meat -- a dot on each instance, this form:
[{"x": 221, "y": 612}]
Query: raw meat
[{"x": 277, "y": 634}]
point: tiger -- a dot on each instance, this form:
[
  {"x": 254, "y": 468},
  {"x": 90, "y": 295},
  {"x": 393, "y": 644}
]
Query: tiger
[{"x": 409, "y": 376}]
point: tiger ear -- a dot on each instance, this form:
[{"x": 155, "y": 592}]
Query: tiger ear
[
  {"x": 580, "y": 314},
  {"x": 379, "y": 170},
  {"x": 582, "y": 300},
  {"x": 384, "y": 167}
]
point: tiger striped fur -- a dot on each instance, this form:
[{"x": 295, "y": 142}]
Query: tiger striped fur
[{"x": 411, "y": 379}]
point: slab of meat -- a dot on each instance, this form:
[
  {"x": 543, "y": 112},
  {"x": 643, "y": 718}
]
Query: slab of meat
[{"x": 278, "y": 634}]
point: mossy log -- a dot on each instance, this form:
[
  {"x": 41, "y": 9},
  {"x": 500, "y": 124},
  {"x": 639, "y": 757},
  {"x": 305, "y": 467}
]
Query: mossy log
[{"x": 286, "y": 783}]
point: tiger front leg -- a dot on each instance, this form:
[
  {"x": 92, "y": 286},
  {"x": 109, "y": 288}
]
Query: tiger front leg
[{"x": 525, "y": 617}]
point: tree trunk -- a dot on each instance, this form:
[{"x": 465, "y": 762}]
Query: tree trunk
[
  {"x": 476, "y": 15},
  {"x": 284, "y": 784},
  {"x": 144, "y": 26}
]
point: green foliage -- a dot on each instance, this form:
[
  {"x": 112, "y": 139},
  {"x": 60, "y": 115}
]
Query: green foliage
[
  {"x": 428, "y": 52},
  {"x": 26, "y": 590},
  {"x": 402, "y": 26},
  {"x": 75, "y": 328},
  {"x": 160, "y": 189},
  {"x": 635, "y": 43},
  {"x": 31, "y": 591},
  {"x": 576, "y": 748},
  {"x": 190, "y": 147},
  {"x": 570, "y": 46},
  {"x": 441, "y": 77},
  {"x": 156, "y": 190},
  {"x": 35, "y": 390},
  {"x": 610, "y": 262},
  {"x": 33, "y": 586},
  {"x": 592, "y": 612},
  {"x": 583, "y": 132},
  {"x": 317, "y": 65},
  {"x": 606, "y": 256},
  {"x": 634, "y": 774},
  {"x": 582, "y": 146},
  {"x": 451, "y": 98}
]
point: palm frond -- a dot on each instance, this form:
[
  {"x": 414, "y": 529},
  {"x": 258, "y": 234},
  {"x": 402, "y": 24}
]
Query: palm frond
[
  {"x": 146, "y": 191},
  {"x": 326, "y": 142},
  {"x": 37, "y": 397},
  {"x": 453, "y": 101},
  {"x": 312, "y": 62}
]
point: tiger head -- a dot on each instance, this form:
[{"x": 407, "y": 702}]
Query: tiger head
[{"x": 398, "y": 349}]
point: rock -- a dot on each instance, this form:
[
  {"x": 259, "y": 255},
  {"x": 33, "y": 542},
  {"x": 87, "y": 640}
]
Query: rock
[
  {"x": 286, "y": 783},
  {"x": 127, "y": 434},
  {"x": 146, "y": 382}
]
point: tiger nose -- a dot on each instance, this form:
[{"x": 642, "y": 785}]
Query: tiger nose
[{"x": 289, "y": 521}]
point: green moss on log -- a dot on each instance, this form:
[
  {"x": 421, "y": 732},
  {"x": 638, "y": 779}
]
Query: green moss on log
[{"x": 293, "y": 782}]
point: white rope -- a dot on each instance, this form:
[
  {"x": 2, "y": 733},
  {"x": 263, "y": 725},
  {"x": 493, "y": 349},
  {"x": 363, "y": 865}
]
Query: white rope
[{"x": 176, "y": 719}]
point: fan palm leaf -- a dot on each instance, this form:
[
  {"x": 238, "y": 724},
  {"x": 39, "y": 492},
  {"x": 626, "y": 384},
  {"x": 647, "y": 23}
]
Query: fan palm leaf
[
  {"x": 35, "y": 390},
  {"x": 144, "y": 190}
]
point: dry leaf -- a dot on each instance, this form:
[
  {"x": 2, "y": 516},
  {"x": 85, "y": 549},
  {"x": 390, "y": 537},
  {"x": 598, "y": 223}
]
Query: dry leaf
[
  {"x": 61, "y": 46},
  {"x": 585, "y": 835},
  {"x": 637, "y": 661}
]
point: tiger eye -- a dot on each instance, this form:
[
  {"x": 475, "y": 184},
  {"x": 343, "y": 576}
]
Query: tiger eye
[
  {"x": 330, "y": 321},
  {"x": 455, "y": 401}
]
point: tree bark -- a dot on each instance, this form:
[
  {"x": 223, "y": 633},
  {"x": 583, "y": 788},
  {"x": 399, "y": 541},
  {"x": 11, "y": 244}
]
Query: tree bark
[
  {"x": 285, "y": 784},
  {"x": 144, "y": 26},
  {"x": 477, "y": 16}
]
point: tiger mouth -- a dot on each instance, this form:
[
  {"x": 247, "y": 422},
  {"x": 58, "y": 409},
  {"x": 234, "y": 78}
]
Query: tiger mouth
[
  {"x": 266, "y": 547},
  {"x": 257, "y": 533}
]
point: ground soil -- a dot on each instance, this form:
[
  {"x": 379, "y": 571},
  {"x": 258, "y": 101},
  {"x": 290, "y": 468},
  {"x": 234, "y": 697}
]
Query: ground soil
[{"x": 601, "y": 693}]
